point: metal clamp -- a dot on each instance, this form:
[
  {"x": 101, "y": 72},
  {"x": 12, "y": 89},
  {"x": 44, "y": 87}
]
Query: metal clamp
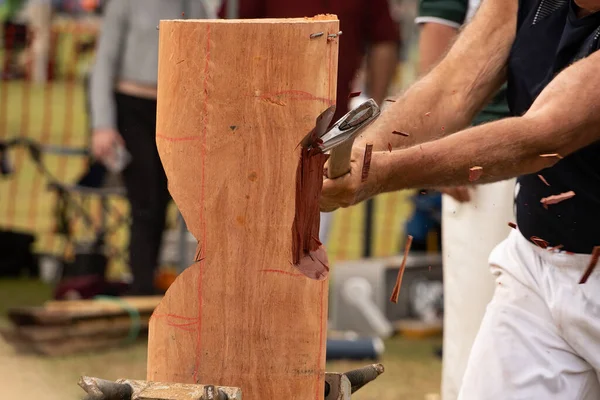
[
  {"x": 338, "y": 386},
  {"x": 126, "y": 389}
]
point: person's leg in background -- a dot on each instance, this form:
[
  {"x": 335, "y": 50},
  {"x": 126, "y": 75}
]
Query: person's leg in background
[
  {"x": 146, "y": 186},
  {"x": 424, "y": 221},
  {"x": 540, "y": 337},
  {"x": 39, "y": 13},
  {"x": 469, "y": 233}
]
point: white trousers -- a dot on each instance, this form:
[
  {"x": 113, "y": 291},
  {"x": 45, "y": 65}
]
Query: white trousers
[
  {"x": 469, "y": 233},
  {"x": 540, "y": 337}
]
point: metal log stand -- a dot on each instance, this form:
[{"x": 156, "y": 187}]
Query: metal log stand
[{"x": 338, "y": 386}]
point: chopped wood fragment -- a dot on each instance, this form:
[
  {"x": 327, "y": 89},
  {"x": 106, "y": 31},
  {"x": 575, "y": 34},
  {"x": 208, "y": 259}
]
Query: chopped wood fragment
[
  {"x": 591, "y": 266},
  {"x": 557, "y": 198},
  {"x": 539, "y": 242},
  {"x": 512, "y": 225},
  {"x": 551, "y": 155},
  {"x": 475, "y": 173},
  {"x": 400, "y": 133},
  {"x": 390, "y": 147},
  {"x": 366, "y": 162},
  {"x": 543, "y": 180},
  {"x": 354, "y": 94},
  {"x": 390, "y": 100},
  {"x": 396, "y": 291}
]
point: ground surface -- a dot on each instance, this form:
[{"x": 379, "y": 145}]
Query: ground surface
[{"x": 412, "y": 371}]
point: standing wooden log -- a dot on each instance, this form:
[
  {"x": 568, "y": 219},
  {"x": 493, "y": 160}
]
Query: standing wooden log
[{"x": 235, "y": 97}]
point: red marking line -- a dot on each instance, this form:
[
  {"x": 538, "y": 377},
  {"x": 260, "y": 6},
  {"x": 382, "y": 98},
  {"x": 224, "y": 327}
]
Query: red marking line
[
  {"x": 174, "y": 316},
  {"x": 202, "y": 220},
  {"x": 319, "y": 387},
  {"x": 177, "y": 139}
]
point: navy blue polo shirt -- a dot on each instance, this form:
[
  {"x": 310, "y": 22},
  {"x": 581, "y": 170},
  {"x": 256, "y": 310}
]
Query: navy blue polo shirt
[{"x": 549, "y": 38}]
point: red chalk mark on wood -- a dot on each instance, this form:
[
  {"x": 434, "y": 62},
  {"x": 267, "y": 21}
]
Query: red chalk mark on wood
[
  {"x": 278, "y": 97},
  {"x": 551, "y": 155},
  {"x": 539, "y": 242},
  {"x": 366, "y": 162},
  {"x": 177, "y": 139},
  {"x": 396, "y": 291},
  {"x": 591, "y": 266},
  {"x": 475, "y": 173},
  {"x": 400, "y": 133},
  {"x": 309, "y": 257},
  {"x": 543, "y": 180},
  {"x": 512, "y": 225},
  {"x": 354, "y": 94},
  {"x": 557, "y": 198}
]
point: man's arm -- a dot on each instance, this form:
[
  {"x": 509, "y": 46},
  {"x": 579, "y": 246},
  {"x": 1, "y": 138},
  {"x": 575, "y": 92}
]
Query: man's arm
[
  {"x": 434, "y": 41},
  {"x": 382, "y": 59},
  {"x": 504, "y": 149},
  {"x": 383, "y": 38},
  {"x": 509, "y": 147},
  {"x": 447, "y": 99}
]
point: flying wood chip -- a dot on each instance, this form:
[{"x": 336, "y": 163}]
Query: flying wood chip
[
  {"x": 366, "y": 162},
  {"x": 475, "y": 173},
  {"x": 539, "y": 242},
  {"x": 557, "y": 198},
  {"x": 390, "y": 100},
  {"x": 354, "y": 94},
  {"x": 591, "y": 266},
  {"x": 390, "y": 147},
  {"x": 551, "y": 155},
  {"x": 512, "y": 225},
  {"x": 400, "y": 133},
  {"x": 396, "y": 291},
  {"x": 543, "y": 180}
]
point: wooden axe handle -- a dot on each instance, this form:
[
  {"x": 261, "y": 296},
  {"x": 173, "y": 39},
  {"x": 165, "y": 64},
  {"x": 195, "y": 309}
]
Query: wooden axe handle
[{"x": 339, "y": 159}]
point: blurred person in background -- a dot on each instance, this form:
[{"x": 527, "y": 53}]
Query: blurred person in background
[
  {"x": 369, "y": 34},
  {"x": 473, "y": 218},
  {"x": 14, "y": 36},
  {"x": 123, "y": 115}
]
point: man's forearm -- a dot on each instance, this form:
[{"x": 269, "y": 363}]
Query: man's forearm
[
  {"x": 447, "y": 162},
  {"x": 447, "y": 99},
  {"x": 382, "y": 60},
  {"x": 434, "y": 41},
  {"x": 505, "y": 148}
]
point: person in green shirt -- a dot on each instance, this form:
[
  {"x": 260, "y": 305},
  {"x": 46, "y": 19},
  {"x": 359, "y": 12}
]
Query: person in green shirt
[
  {"x": 466, "y": 212},
  {"x": 10, "y": 8}
]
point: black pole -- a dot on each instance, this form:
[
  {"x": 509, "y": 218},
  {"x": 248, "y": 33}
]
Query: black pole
[{"x": 369, "y": 211}]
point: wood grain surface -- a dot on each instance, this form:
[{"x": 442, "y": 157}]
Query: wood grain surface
[{"x": 234, "y": 100}]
